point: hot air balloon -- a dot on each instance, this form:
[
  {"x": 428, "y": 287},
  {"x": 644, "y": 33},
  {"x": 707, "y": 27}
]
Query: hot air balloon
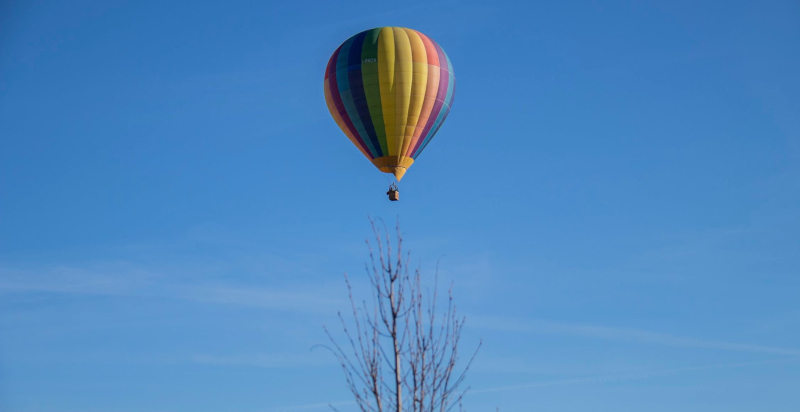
[{"x": 390, "y": 89}]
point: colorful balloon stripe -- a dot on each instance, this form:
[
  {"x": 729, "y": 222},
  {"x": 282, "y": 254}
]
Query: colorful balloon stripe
[
  {"x": 389, "y": 89},
  {"x": 446, "y": 102}
]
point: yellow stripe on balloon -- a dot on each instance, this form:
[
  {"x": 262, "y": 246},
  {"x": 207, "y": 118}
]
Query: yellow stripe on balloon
[
  {"x": 419, "y": 82},
  {"x": 403, "y": 74}
]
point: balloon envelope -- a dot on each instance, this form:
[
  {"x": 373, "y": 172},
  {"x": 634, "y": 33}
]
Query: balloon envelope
[{"x": 389, "y": 90}]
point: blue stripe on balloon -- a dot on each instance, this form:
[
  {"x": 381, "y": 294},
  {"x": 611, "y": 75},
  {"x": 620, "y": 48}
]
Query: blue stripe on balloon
[
  {"x": 343, "y": 82},
  {"x": 357, "y": 92}
]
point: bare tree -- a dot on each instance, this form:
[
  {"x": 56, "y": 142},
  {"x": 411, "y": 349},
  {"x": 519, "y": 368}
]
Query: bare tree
[{"x": 401, "y": 351}]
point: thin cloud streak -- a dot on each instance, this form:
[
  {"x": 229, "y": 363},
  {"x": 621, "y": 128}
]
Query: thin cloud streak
[
  {"x": 271, "y": 361},
  {"x": 309, "y": 406},
  {"x": 619, "y": 334},
  {"x": 628, "y": 376},
  {"x": 574, "y": 381},
  {"x": 125, "y": 281}
]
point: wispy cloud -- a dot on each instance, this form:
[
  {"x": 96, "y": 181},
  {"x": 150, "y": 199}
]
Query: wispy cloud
[
  {"x": 627, "y": 376},
  {"x": 310, "y": 406},
  {"x": 122, "y": 279},
  {"x": 584, "y": 380},
  {"x": 619, "y": 334},
  {"x": 269, "y": 360},
  {"x": 289, "y": 299}
]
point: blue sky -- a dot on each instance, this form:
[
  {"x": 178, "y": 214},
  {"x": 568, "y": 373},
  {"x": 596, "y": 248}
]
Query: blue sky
[{"x": 615, "y": 195}]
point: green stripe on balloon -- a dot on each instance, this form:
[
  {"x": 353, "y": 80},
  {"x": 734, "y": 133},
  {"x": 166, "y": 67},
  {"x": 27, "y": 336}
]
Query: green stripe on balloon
[{"x": 369, "y": 73}]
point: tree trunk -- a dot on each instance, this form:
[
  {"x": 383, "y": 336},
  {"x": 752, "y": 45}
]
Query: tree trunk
[{"x": 397, "y": 365}]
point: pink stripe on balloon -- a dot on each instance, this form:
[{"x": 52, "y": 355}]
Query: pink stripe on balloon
[{"x": 441, "y": 94}]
